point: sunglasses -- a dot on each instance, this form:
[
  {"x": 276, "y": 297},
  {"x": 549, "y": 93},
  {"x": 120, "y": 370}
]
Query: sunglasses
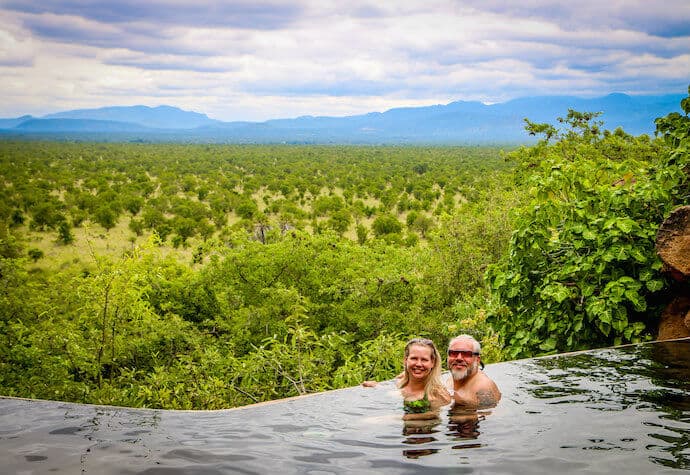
[{"x": 463, "y": 353}]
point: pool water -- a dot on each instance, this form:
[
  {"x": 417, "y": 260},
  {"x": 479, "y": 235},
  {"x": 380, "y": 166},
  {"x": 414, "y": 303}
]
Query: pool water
[{"x": 624, "y": 410}]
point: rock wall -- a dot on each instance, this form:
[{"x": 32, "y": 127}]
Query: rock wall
[{"x": 673, "y": 247}]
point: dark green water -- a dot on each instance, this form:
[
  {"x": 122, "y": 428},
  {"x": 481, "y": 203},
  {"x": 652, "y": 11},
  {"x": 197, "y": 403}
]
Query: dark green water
[{"x": 623, "y": 410}]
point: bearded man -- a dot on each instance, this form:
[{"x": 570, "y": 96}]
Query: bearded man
[{"x": 471, "y": 387}]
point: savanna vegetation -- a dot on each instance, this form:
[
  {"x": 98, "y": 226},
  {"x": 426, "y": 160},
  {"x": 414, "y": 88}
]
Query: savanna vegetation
[{"x": 210, "y": 276}]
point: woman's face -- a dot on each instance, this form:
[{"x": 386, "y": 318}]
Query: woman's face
[{"x": 419, "y": 361}]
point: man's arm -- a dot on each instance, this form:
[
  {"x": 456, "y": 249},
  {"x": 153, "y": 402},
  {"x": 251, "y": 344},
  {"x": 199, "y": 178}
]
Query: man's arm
[
  {"x": 484, "y": 393},
  {"x": 486, "y": 398}
]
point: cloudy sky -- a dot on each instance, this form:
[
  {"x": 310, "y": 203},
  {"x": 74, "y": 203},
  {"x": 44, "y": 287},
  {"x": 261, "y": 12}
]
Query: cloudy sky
[{"x": 261, "y": 59}]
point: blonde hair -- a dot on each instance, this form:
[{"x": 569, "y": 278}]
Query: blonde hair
[{"x": 433, "y": 386}]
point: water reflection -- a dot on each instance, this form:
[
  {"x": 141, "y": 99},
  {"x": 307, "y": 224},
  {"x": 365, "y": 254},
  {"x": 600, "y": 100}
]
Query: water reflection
[
  {"x": 461, "y": 430},
  {"x": 463, "y": 426},
  {"x": 420, "y": 432},
  {"x": 652, "y": 379}
]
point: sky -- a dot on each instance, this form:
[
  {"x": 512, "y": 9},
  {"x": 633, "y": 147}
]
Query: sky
[{"x": 263, "y": 59}]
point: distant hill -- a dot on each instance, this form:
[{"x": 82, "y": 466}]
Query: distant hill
[
  {"x": 10, "y": 123},
  {"x": 458, "y": 122},
  {"x": 161, "y": 117},
  {"x": 77, "y": 125}
]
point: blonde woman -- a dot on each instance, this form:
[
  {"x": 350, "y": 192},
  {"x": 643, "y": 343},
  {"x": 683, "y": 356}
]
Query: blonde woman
[{"x": 420, "y": 383}]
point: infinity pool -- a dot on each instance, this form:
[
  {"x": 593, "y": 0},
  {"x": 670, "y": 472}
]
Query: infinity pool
[{"x": 621, "y": 410}]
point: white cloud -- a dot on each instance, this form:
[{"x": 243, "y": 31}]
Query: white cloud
[
  {"x": 17, "y": 49},
  {"x": 254, "y": 61}
]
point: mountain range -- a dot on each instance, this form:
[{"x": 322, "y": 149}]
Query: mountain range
[{"x": 458, "y": 122}]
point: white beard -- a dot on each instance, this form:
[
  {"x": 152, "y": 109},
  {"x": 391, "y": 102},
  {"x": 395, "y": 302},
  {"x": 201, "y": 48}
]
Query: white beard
[{"x": 460, "y": 374}]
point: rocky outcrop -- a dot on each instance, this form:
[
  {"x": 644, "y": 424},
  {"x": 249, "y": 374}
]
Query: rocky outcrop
[
  {"x": 673, "y": 246},
  {"x": 673, "y": 243}
]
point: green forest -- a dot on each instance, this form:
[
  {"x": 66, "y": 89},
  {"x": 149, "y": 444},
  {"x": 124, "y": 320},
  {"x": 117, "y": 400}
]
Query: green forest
[{"x": 206, "y": 276}]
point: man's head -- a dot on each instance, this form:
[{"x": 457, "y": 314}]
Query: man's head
[{"x": 463, "y": 357}]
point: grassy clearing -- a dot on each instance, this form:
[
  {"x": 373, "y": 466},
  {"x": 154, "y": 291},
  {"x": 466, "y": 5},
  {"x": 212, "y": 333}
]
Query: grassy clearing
[{"x": 93, "y": 240}]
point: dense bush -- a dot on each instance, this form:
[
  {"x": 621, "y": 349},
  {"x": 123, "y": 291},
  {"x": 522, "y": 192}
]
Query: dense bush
[{"x": 581, "y": 270}]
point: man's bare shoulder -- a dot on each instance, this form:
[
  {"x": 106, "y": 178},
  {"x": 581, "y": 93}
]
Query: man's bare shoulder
[
  {"x": 487, "y": 391},
  {"x": 484, "y": 379}
]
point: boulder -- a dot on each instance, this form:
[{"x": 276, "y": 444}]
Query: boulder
[
  {"x": 673, "y": 247},
  {"x": 673, "y": 243},
  {"x": 675, "y": 319}
]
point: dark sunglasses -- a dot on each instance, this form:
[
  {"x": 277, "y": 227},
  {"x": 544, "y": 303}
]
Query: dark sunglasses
[{"x": 463, "y": 353}]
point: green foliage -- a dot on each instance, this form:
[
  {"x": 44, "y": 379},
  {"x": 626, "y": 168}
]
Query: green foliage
[
  {"x": 675, "y": 130},
  {"x": 340, "y": 221},
  {"x": 386, "y": 224},
  {"x": 246, "y": 209},
  {"x": 375, "y": 359},
  {"x": 65, "y": 235},
  {"x": 422, "y": 223},
  {"x": 46, "y": 215},
  {"x": 362, "y": 234},
  {"x": 10, "y": 242},
  {"x": 105, "y": 216},
  {"x": 35, "y": 254},
  {"x": 581, "y": 270}
]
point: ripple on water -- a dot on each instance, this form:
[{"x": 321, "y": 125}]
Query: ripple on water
[{"x": 623, "y": 410}]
